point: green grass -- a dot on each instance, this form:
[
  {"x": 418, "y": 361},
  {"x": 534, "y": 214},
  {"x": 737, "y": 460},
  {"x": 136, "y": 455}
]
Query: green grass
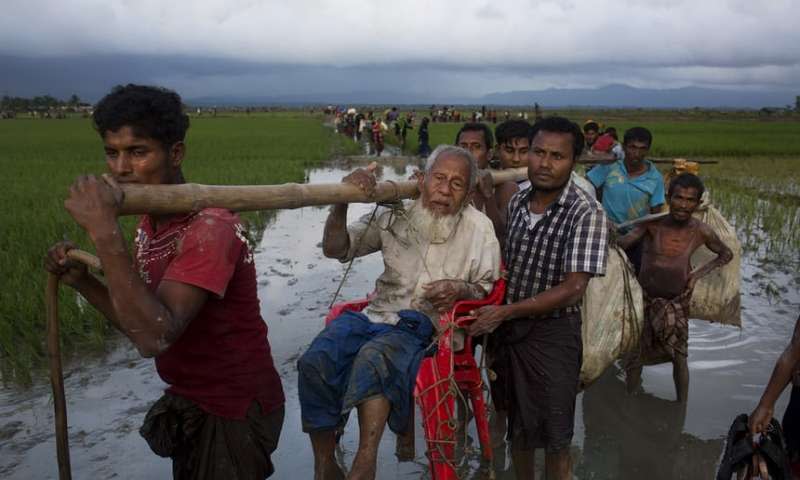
[
  {"x": 41, "y": 158},
  {"x": 684, "y": 138}
]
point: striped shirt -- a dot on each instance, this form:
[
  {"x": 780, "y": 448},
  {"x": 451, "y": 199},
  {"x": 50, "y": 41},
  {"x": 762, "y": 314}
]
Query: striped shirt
[{"x": 570, "y": 237}]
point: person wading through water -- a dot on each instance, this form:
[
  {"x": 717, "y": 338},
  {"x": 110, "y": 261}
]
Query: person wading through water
[
  {"x": 437, "y": 250},
  {"x": 556, "y": 242},
  {"x": 187, "y": 297},
  {"x": 667, "y": 279}
]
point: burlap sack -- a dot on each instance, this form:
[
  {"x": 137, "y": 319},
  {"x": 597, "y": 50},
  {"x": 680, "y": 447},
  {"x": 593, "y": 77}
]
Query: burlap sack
[
  {"x": 716, "y": 296},
  {"x": 613, "y": 315}
]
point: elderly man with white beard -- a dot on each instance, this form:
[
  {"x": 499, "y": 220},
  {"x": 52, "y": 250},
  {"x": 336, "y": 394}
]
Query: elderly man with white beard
[{"x": 437, "y": 250}]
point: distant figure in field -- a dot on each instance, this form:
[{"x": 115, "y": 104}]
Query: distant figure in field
[
  {"x": 406, "y": 124},
  {"x": 377, "y": 136},
  {"x": 360, "y": 125},
  {"x": 423, "y": 138},
  {"x": 667, "y": 279}
]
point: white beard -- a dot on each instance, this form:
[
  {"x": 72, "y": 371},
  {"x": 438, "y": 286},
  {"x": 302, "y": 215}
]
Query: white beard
[{"x": 429, "y": 227}]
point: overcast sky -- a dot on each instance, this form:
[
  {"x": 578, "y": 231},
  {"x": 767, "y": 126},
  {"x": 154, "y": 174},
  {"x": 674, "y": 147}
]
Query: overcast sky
[{"x": 463, "y": 47}]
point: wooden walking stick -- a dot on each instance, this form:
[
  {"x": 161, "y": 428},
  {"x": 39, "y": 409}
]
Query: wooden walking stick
[{"x": 54, "y": 358}]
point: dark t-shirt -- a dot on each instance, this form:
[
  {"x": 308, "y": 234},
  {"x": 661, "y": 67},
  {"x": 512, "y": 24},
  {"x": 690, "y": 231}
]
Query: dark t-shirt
[{"x": 222, "y": 361}]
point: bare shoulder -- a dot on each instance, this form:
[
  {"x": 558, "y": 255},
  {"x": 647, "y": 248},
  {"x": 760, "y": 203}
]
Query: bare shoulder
[
  {"x": 705, "y": 229},
  {"x": 656, "y": 224}
]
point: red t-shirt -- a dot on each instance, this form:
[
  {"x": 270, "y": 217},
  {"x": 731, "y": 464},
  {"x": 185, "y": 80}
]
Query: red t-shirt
[
  {"x": 604, "y": 144},
  {"x": 222, "y": 361}
]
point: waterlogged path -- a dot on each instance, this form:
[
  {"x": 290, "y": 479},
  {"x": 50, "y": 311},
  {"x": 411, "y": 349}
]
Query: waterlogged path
[{"x": 617, "y": 436}]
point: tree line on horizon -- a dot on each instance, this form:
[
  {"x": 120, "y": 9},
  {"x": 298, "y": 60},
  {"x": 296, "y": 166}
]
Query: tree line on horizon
[{"x": 39, "y": 103}]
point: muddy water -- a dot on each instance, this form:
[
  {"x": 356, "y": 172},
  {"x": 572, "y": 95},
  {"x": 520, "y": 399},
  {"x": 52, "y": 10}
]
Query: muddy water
[{"x": 617, "y": 436}]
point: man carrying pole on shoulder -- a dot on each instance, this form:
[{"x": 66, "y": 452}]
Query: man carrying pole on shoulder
[
  {"x": 667, "y": 279},
  {"x": 187, "y": 297}
]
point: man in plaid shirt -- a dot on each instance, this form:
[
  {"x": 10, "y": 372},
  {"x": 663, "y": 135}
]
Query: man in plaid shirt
[{"x": 557, "y": 241}]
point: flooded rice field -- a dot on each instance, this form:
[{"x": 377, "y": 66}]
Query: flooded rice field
[{"x": 617, "y": 436}]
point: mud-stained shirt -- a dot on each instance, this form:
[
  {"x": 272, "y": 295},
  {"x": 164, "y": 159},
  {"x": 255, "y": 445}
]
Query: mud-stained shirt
[
  {"x": 222, "y": 361},
  {"x": 468, "y": 251}
]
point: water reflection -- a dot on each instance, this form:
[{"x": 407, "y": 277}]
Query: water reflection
[{"x": 640, "y": 436}]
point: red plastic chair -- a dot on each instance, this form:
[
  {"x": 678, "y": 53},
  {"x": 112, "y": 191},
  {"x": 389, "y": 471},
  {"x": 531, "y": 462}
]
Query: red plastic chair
[{"x": 438, "y": 379}]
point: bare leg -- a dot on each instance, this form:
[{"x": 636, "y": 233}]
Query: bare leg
[
  {"x": 324, "y": 444},
  {"x": 558, "y": 465},
  {"x": 524, "y": 461},
  {"x": 633, "y": 379},
  {"x": 680, "y": 373},
  {"x": 372, "y": 416}
]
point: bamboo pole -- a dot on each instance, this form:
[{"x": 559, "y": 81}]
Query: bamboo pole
[{"x": 191, "y": 197}]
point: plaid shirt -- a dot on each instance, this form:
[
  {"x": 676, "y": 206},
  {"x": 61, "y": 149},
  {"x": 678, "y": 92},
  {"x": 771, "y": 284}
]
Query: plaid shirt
[{"x": 571, "y": 237}]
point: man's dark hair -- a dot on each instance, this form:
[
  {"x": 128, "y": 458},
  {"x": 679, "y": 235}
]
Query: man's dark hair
[
  {"x": 686, "y": 180},
  {"x": 477, "y": 127},
  {"x": 612, "y": 131},
  {"x": 560, "y": 125},
  {"x": 511, "y": 129},
  {"x": 591, "y": 126},
  {"x": 638, "y": 134},
  {"x": 151, "y": 112}
]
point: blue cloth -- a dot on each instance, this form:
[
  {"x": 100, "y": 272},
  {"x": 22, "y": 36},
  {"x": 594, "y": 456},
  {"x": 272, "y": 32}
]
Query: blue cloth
[
  {"x": 626, "y": 198},
  {"x": 354, "y": 359}
]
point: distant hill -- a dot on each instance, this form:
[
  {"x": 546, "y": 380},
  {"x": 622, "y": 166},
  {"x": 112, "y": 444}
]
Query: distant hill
[
  {"x": 612, "y": 96},
  {"x": 345, "y": 98}
]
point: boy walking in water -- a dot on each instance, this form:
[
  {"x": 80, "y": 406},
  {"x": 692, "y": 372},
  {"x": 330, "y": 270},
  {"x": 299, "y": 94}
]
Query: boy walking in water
[{"x": 667, "y": 278}]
